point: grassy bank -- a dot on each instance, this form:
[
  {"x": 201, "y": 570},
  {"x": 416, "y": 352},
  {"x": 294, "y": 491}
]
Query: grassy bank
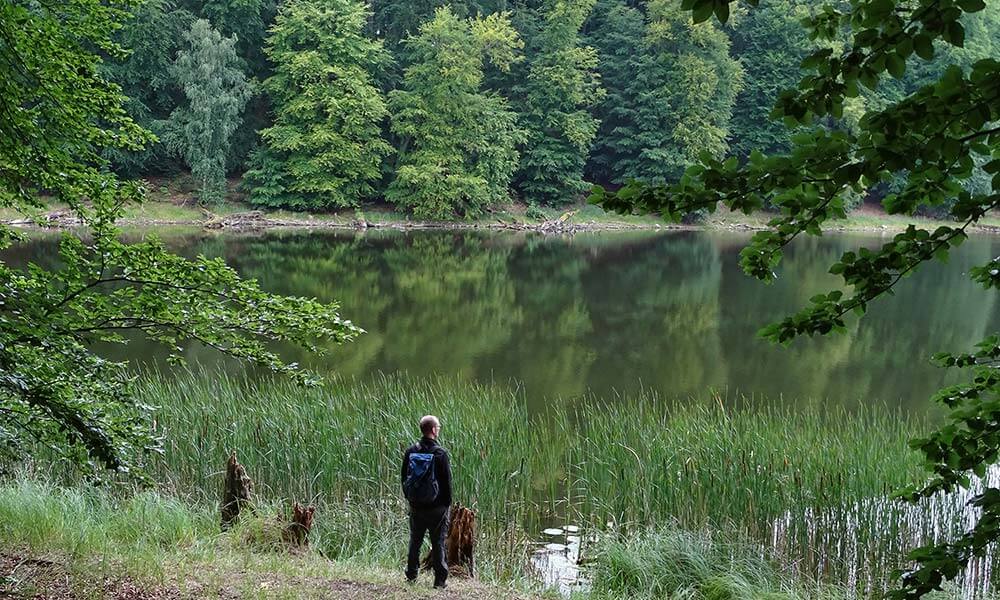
[
  {"x": 631, "y": 462},
  {"x": 788, "y": 480},
  {"x": 83, "y": 542},
  {"x": 100, "y": 544}
]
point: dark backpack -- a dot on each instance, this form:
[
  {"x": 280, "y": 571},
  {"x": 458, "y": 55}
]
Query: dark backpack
[{"x": 421, "y": 486}]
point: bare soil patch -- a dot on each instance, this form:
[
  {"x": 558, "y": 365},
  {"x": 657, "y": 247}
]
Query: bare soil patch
[{"x": 24, "y": 576}]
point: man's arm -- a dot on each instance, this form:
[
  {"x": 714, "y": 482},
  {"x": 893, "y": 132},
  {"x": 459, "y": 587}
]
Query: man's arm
[
  {"x": 444, "y": 479},
  {"x": 406, "y": 466}
]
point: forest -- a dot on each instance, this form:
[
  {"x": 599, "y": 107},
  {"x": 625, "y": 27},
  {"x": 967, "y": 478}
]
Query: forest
[{"x": 446, "y": 110}]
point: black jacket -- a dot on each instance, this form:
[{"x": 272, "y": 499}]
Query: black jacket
[{"x": 442, "y": 469}]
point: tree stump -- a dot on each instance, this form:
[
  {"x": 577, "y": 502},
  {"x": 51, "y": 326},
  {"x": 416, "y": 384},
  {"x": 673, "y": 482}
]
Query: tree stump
[
  {"x": 460, "y": 543},
  {"x": 236, "y": 492},
  {"x": 296, "y": 533}
]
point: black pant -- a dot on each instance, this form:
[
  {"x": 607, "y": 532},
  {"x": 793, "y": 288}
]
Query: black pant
[{"x": 433, "y": 520}]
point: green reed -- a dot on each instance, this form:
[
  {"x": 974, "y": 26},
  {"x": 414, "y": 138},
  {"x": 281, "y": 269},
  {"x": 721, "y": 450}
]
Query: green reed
[
  {"x": 633, "y": 462},
  {"x": 672, "y": 563},
  {"x": 640, "y": 460},
  {"x": 340, "y": 447}
]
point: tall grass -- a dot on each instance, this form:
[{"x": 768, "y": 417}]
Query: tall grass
[
  {"x": 635, "y": 462},
  {"x": 84, "y": 522},
  {"x": 340, "y": 447},
  {"x": 640, "y": 460},
  {"x": 673, "y": 563}
]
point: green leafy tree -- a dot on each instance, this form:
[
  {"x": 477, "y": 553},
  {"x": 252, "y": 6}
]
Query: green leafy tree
[
  {"x": 216, "y": 89},
  {"x": 152, "y": 34},
  {"x": 560, "y": 88},
  {"x": 458, "y": 143},
  {"x": 58, "y": 114},
  {"x": 939, "y": 135},
  {"x": 249, "y": 22},
  {"x": 770, "y": 43},
  {"x": 325, "y": 148},
  {"x": 670, "y": 96}
]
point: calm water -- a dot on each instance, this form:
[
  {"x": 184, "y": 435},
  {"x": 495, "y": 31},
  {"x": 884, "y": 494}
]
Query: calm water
[{"x": 602, "y": 313}]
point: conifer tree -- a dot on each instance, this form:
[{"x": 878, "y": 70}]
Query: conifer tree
[
  {"x": 216, "y": 89},
  {"x": 458, "y": 142},
  {"x": 561, "y": 87},
  {"x": 325, "y": 148}
]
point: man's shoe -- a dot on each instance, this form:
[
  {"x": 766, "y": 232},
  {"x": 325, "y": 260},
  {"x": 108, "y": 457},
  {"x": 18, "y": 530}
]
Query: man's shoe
[
  {"x": 440, "y": 586},
  {"x": 411, "y": 580}
]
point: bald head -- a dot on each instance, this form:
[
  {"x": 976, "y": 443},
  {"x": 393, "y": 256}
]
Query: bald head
[{"x": 429, "y": 426}]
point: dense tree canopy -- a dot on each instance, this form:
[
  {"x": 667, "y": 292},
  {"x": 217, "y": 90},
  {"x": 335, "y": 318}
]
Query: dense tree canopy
[
  {"x": 554, "y": 101},
  {"x": 458, "y": 141},
  {"x": 632, "y": 89},
  {"x": 770, "y": 43},
  {"x": 671, "y": 89},
  {"x": 325, "y": 147}
]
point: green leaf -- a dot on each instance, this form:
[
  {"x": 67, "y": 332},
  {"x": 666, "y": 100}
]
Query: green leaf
[
  {"x": 702, "y": 11},
  {"x": 896, "y": 65},
  {"x": 923, "y": 46}
]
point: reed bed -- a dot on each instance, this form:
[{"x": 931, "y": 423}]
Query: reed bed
[
  {"x": 340, "y": 447},
  {"x": 673, "y": 563},
  {"x": 621, "y": 466},
  {"x": 641, "y": 460}
]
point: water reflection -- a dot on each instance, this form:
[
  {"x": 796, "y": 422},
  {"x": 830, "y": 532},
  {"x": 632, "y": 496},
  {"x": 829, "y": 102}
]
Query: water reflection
[
  {"x": 557, "y": 562},
  {"x": 601, "y": 313},
  {"x": 859, "y": 543}
]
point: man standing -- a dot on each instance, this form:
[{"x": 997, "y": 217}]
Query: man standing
[{"x": 426, "y": 478}]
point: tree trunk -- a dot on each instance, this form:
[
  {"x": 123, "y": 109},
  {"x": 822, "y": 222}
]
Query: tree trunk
[
  {"x": 236, "y": 493},
  {"x": 296, "y": 533},
  {"x": 460, "y": 543}
]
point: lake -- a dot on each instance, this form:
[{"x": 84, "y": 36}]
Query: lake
[{"x": 602, "y": 313}]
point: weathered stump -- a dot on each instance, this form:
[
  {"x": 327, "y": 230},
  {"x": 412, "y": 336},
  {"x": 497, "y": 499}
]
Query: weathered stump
[
  {"x": 296, "y": 533},
  {"x": 460, "y": 543},
  {"x": 236, "y": 492}
]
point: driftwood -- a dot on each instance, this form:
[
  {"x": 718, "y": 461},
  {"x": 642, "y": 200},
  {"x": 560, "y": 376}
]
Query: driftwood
[
  {"x": 460, "y": 543},
  {"x": 296, "y": 533},
  {"x": 235, "y": 493}
]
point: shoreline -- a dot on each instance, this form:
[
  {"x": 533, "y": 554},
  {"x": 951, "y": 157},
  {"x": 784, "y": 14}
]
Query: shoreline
[{"x": 256, "y": 220}]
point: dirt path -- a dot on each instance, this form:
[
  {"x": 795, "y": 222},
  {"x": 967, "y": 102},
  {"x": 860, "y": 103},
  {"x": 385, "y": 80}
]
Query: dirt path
[{"x": 23, "y": 577}]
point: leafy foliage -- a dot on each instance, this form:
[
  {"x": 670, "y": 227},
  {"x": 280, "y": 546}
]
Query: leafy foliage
[
  {"x": 939, "y": 136},
  {"x": 559, "y": 90},
  {"x": 458, "y": 143},
  {"x": 672, "y": 86},
  {"x": 770, "y": 42},
  {"x": 325, "y": 147},
  {"x": 152, "y": 34},
  {"x": 216, "y": 90},
  {"x": 59, "y": 114}
]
